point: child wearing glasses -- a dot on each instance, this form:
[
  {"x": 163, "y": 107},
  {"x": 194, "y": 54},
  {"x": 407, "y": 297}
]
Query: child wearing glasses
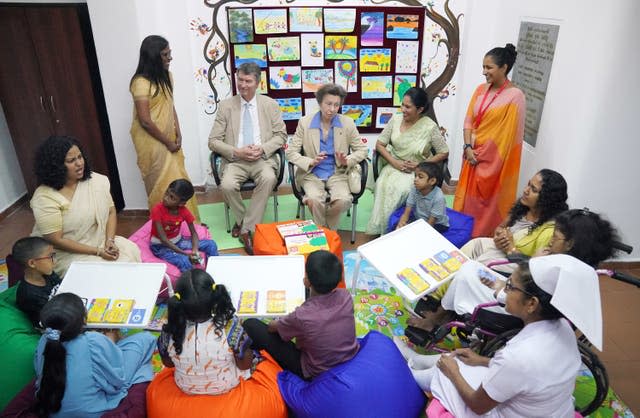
[{"x": 40, "y": 282}]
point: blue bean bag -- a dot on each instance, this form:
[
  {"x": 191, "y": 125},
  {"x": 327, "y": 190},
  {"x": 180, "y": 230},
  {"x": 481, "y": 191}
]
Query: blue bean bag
[
  {"x": 460, "y": 225},
  {"x": 376, "y": 382}
]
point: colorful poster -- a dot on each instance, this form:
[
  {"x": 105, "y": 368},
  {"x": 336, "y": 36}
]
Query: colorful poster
[
  {"x": 384, "y": 115},
  {"x": 312, "y": 80},
  {"x": 371, "y": 28},
  {"x": 402, "y": 83},
  {"x": 285, "y": 48},
  {"x": 268, "y": 21},
  {"x": 311, "y": 106},
  {"x": 361, "y": 114},
  {"x": 291, "y": 108},
  {"x": 240, "y": 26},
  {"x": 406, "y": 57},
  {"x": 339, "y": 47},
  {"x": 375, "y": 60},
  {"x": 250, "y": 53},
  {"x": 339, "y": 20},
  {"x": 283, "y": 78},
  {"x": 346, "y": 75},
  {"x": 305, "y": 19},
  {"x": 262, "y": 87},
  {"x": 312, "y": 49},
  {"x": 377, "y": 87},
  {"x": 402, "y": 26}
]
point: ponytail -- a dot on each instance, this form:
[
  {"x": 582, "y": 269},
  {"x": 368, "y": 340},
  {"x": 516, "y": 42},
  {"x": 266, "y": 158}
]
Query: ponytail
[
  {"x": 223, "y": 309},
  {"x": 176, "y": 321},
  {"x": 53, "y": 381}
]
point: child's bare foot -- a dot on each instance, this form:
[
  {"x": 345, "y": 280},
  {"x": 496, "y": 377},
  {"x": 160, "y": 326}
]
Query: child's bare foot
[{"x": 431, "y": 320}]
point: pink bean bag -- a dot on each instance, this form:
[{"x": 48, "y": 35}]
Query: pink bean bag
[
  {"x": 436, "y": 410},
  {"x": 142, "y": 238}
]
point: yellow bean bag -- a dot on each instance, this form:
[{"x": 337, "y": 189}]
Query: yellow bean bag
[{"x": 256, "y": 397}]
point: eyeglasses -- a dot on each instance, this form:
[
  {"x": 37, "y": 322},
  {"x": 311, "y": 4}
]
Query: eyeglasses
[
  {"x": 51, "y": 256},
  {"x": 509, "y": 287}
]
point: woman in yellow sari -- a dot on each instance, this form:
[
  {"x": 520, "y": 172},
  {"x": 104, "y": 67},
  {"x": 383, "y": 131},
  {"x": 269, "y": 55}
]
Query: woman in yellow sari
[
  {"x": 493, "y": 132},
  {"x": 155, "y": 129}
]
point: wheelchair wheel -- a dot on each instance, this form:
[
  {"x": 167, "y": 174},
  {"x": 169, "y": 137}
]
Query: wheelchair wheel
[{"x": 497, "y": 343}]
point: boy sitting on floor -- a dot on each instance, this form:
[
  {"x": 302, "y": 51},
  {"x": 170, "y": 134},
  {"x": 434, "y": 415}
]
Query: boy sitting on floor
[
  {"x": 167, "y": 216},
  {"x": 323, "y": 326},
  {"x": 40, "y": 282}
]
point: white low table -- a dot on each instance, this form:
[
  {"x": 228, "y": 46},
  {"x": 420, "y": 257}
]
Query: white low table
[
  {"x": 138, "y": 281},
  {"x": 261, "y": 273}
]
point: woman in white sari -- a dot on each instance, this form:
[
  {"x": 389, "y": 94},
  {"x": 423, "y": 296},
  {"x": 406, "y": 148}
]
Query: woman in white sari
[
  {"x": 73, "y": 208},
  {"x": 405, "y": 142}
]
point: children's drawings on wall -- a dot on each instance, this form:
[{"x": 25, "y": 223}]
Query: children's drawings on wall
[
  {"x": 406, "y": 57},
  {"x": 402, "y": 26},
  {"x": 305, "y": 19},
  {"x": 240, "y": 26},
  {"x": 312, "y": 49},
  {"x": 402, "y": 83},
  {"x": 198, "y": 26},
  {"x": 311, "y": 106},
  {"x": 346, "y": 75},
  {"x": 281, "y": 78},
  {"x": 268, "y": 21},
  {"x": 375, "y": 60},
  {"x": 250, "y": 53},
  {"x": 371, "y": 28},
  {"x": 339, "y": 20},
  {"x": 312, "y": 80},
  {"x": 291, "y": 108},
  {"x": 285, "y": 48},
  {"x": 361, "y": 114},
  {"x": 338, "y": 47},
  {"x": 262, "y": 87},
  {"x": 377, "y": 87},
  {"x": 384, "y": 115}
]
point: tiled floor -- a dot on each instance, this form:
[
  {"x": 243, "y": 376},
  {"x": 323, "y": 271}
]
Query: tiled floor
[{"x": 620, "y": 302}]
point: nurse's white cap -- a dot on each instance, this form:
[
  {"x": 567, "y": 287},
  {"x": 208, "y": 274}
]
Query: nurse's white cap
[{"x": 575, "y": 291}]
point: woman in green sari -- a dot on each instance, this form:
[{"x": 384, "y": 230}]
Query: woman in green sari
[{"x": 406, "y": 141}]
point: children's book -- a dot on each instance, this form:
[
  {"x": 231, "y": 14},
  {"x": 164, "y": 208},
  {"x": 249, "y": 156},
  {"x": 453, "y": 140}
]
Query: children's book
[
  {"x": 458, "y": 256},
  {"x": 248, "y": 302},
  {"x": 276, "y": 301},
  {"x": 4, "y": 275},
  {"x": 237, "y": 337},
  {"x": 450, "y": 263},
  {"x": 96, "y": 310},
  {"x": 296, "y": 228},
  {"x": 159, "y": 317},
  {"x": 306, "y": 243},
  {"x": 413, "y": 280},
  {"x": 435, "y": 270},
  {"x": 119, "y": 311}
]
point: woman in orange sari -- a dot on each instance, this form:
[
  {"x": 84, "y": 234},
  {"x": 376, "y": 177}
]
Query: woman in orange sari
[{"x": 493, "y": 132}]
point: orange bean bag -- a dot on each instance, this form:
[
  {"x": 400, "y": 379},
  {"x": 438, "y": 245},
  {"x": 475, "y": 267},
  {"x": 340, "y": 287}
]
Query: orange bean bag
[
  {"x": 258, "y": 396},
  {"x": 267, "y": 241}
]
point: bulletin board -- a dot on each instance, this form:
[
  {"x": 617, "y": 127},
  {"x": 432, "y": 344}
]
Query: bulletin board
[{"x": 373, "y": 52}]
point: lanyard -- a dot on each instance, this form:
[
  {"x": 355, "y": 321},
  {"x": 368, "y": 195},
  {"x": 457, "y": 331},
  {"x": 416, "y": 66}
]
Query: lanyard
[{"x": 483, "y": 108}]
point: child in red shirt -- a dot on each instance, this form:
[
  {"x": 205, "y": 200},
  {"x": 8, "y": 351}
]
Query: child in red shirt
[{"x": 167, "y": 216}]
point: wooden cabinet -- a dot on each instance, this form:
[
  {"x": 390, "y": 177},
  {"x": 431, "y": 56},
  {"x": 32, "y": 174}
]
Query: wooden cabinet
[{"x": 50, "y": 85}]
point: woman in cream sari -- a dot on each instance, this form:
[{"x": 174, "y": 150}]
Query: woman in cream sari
[
  {"x": 155, "y": 129},
  {"x": 406, "y": 141},
  {"x": 73, "y": 208}
]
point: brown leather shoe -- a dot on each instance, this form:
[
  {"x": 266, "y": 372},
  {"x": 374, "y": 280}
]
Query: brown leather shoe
[
  {"x": 235, "y": 231},
  {"x": 247, "y": 241}
]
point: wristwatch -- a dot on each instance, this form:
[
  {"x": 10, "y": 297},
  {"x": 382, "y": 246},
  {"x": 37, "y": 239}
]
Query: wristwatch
[{"x": 464, "y": 148}]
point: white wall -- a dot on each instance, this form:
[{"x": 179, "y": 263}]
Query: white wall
[{"x": 12, "y": 185}]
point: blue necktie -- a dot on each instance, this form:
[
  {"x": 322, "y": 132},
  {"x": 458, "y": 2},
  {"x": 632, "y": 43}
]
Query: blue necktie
[{"x": 247, "y": 125}]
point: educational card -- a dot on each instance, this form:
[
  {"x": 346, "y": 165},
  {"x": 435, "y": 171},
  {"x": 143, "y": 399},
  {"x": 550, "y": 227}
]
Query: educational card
[
  {"x": 296, "y": 227},
  {"x": 268, "y": 21},
  {"x": 371, "y": 28},
  {"x": 402, "y": 26},
  {"x": 284, "y": 78},
  {"x": 402, "y": 83},
  {"x": 338, "y": 47},
  {"x": 458, "y": 255},
  {"x": 406, "y": 56},
  {"x": 377, "y": 87},
  {"x": 339, "y": 20},
  {"x": 248, "y": 302},
  {"x": 305, "y": 19},
  {"x": 119, "y": 311},
  {"x": 291, "y": 108},
  {"x": 451, "y": 264},
  {"x": 375, "y": 60},
  {"x": 306, "y": 243},
  {"x": 96, "y": 309},
  {"x": 434, "y": 269},
  {"x": 285, "y": 48},
  {"x": 361, "y": 114},
  {"x": 311, "y": 106},
  {"x": 346, "y": 75},
  {"x": 256, "y": 53},
  {"x": 412, "y": 279},
  {"x": 312, "y": 49},
  {"x": 312, "y": 80},
  {"x": 384, "y": 115},
  {"x": 276, "y": 301},
  {"x": 240, "y": 26}
]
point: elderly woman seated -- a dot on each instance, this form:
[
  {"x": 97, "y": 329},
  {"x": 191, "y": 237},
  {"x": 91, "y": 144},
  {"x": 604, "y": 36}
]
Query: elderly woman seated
[
  {"x": 534, "y": 374},
  {"x": 325, "y": 147}
]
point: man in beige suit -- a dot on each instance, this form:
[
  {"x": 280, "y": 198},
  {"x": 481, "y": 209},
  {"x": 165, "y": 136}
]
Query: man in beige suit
[
  {"x": 247, "y": 132},
  {"x": 325, "y": 147}
]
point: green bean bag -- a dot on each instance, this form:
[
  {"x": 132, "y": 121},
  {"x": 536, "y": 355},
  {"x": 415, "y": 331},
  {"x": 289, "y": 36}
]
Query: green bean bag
[{"x": 18, "y": 341}]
